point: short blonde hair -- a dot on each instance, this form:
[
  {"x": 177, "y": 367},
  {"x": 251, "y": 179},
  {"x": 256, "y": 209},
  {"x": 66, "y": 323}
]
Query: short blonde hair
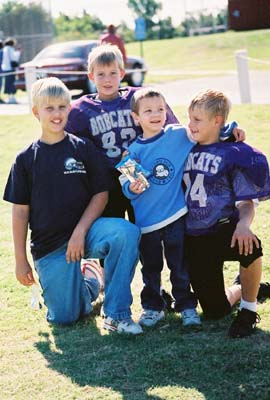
[
  {"x": 105, "y": 54},
  {"x": 142, "y": 94},
  {"x": 47, "y": 88},
  {"x": 213, "y": 102}
]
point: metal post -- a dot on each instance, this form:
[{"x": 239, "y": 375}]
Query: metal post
[
  {"x": 243, "y": 75},
  {"x": 141, "y": 48},
  {"x": 30, "y": 77}
]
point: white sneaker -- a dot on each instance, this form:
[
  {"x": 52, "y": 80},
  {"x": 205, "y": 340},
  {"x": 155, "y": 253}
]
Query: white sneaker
[
  {"x": 122, "y": 326},
  {"x": 190, "y": 317},
  {"x": 12, "y": 100},
  {"x": 151, "y": 317}
]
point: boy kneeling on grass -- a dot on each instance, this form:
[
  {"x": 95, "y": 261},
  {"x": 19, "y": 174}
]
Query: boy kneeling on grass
[
  {"x": 59, "y": 187},
  {"x": 224, "y": 182}
]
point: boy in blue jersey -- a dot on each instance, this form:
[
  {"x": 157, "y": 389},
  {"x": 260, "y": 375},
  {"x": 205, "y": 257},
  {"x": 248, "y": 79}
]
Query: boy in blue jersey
[
  {"x": 160, "y": 208},
  {"x": 105, "y": 118},
  {"x": 224, "y": 182},
  {"x": 59, "y": 187}
]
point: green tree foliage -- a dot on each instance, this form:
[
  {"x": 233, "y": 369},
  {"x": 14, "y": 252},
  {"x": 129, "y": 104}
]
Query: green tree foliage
[
  {"x": 202, "y": 21},
  {"x": 126, "y": 33},
  {"x": 84, "y": 27},
  {"x": 17, "y": 19},
  {"x": 147, "y": 9},
  {"x": 222, "y": 17},
  {"x": 31, "y": 26},
  {"x": 166, "y": 29}
]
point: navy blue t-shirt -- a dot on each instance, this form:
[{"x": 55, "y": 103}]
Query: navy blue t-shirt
[{"x": 57, "y": 181}]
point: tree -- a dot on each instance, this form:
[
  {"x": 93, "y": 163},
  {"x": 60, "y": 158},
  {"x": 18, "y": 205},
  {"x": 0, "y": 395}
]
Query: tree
[
  {"x": 32, "y": 26},
  {"x": 202, "y": 21},
  {"x": 84, "y": 27},
  {"x": 166, "y": 29},
  {"x": 17, "y": 19},
  {"x": 147, "y": 9},
  {"x": 190, "y": 22}
]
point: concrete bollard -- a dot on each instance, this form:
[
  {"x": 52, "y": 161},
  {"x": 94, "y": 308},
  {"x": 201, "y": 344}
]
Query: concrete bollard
[
  {"x": 243, "y": 75},
  {"x": 30, "y": 77}
]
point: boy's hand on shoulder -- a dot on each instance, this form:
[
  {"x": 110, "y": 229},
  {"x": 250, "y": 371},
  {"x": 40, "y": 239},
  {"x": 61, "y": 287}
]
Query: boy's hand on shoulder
[
  {"x": 245, "y": 238},
  {"x": 75, "y": 249},
  {"x": 239, "y": 134},
  {"x": 136, "y": 187},
  {"x": 24, "y": 274}
]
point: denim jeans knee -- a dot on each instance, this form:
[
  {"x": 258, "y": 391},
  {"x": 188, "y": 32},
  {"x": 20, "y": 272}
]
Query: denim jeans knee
[
  {"x": 116, "y": 240},
  {"x": 64, "y": 290}
]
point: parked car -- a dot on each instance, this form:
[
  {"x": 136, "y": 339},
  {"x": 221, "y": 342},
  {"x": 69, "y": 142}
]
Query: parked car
[{"x": 68, "y": 61}]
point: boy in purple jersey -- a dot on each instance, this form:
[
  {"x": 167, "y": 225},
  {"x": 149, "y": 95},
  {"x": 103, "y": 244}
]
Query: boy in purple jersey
[
  {"x": 224, "y": 182},
  {"x": 59, "y": 187},
  {"x": 105, "y": 118}
]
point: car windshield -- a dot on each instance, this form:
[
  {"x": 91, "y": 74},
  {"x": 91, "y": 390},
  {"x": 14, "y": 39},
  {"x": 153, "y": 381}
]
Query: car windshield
[{"x": 61, "y": 51}]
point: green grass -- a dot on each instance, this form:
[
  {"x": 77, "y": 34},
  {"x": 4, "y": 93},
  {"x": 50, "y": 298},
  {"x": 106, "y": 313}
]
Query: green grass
[
  {"x": 211, "y": 53},
  {"x": 82, "y": 362}
]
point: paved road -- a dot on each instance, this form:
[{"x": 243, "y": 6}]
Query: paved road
[{"x": 180, "y": 92}]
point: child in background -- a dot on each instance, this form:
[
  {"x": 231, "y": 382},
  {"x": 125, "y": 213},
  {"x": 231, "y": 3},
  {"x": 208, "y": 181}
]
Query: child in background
[
  {"x": 159, "y": 210},
  {"x": 224, "y": 182},
  {"x": 59, "y": 187}
]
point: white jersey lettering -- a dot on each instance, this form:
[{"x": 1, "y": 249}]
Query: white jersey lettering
[{"x": 205, "y": 162}]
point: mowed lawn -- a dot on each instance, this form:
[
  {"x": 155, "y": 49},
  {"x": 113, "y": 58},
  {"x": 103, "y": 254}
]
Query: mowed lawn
[
  {"x": 183, "y": 58},
  {"x": 38, "y": 361}
]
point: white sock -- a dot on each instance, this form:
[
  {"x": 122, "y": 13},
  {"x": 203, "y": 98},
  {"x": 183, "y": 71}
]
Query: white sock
[{"x": 251, "y": 306}]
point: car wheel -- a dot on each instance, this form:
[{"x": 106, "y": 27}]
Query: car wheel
[{"x": 137, "y": 77}]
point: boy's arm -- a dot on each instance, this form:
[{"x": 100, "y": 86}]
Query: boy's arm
[
  {"x": 242, "y": 233},
  {"x": 20, "y": 219},
  {"x": 75, "y": 249}
]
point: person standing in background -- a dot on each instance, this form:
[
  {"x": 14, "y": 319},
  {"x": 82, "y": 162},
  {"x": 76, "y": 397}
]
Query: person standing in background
[
  {"x": 10, "y": 62},
  {"x": 113, "y": 38}
]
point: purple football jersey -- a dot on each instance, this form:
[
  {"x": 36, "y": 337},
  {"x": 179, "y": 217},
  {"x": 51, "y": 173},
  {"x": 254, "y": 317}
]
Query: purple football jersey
[
  {"x": 108, "y": 124},
  {"x": 217, "y": 176}
]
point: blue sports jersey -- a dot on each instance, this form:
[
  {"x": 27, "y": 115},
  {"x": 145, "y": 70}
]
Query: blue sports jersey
[
  {"x": 108, "y": 124},
  {"x": 57, "y": 181},
  {"x": 217, "y": 176},
  {"x": 164, "y": 156}
]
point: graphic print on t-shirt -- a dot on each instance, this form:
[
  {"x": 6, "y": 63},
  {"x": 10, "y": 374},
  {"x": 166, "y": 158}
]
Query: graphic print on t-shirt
[
  {"x": 74, "y": 167},
  {"x": 162, "y": 171}
]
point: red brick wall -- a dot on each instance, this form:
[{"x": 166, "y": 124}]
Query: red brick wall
[{"x": 248, "y": 14}]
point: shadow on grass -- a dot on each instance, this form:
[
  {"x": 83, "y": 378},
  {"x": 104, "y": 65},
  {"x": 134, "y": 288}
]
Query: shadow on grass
[{"x": 166, "y": 362}]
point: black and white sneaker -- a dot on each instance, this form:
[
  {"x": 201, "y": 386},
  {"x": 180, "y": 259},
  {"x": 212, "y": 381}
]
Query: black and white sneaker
[
  {"x": 244, "y": 324},
  {"x": 122, "y": 326}
]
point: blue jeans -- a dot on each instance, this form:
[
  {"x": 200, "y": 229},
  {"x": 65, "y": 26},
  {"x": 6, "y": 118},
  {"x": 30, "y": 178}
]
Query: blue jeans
[
  {"x": 170, "y": 241},
  {"x": 68, "y": 296}
]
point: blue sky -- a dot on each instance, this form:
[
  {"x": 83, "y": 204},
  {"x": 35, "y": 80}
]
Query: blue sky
[{"x": 115, "y": 11}]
